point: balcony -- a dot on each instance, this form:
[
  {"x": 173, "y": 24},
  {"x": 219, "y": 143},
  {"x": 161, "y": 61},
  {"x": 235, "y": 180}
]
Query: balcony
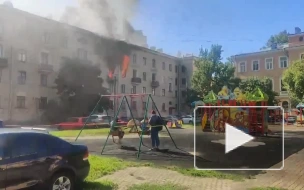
[
  {"x": 154, "y": 84},
  {"x": 136, "y": 81},
  {"x": 3, "y": 62},
  {"x": 45, "y": 68}
]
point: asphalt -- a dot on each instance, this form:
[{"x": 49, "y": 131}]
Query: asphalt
[{"x": 211, "y": 153}]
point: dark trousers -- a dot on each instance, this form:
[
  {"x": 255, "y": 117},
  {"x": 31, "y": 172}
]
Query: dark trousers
[{"x": 154, "y": 137}]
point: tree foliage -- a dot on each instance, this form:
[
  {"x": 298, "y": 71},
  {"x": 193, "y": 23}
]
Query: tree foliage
[
  {"x": 280, "y": 38},
  {"x": 293, "y": 80},
  {"x": 211, "y": 73},
  {"x": 79, "y": 88},
  {"x": 264, "y": 84}
]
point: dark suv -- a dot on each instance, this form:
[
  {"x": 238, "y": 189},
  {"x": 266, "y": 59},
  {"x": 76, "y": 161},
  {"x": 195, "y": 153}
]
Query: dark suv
[{"x": 32, "y": 158}]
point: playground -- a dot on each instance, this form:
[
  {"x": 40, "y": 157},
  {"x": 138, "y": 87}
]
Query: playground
[{"x": 247, "y": 111}]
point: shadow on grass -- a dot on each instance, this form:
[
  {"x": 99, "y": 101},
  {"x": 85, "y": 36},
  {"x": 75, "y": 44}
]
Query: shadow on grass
[{"x": 90, "y": 185}]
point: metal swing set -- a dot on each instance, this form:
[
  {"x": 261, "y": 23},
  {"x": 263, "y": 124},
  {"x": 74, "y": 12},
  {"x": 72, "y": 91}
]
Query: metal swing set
[{"x": 117, "y": 130}]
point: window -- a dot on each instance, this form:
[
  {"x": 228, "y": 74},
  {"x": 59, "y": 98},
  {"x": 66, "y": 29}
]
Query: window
[
  {"x": 44, "y": 58},
  {"x": 153, "y": 76},
  {"x": 170, "y": 67},
  {"x": 46, "y": 38},
  {"x": 283, "y": 88},
  {"x": 3, "y": 145},
  {"x": 242, "y": 67},
  {"x": 301, "y": 38},
  {"x": 175, "y": 68},
  {"x": 134, "y": 73},
  {"x": 133, "y": 90},
  {"x": 175, "y": 93},
  {"x": 269, "y": 63},
  {"x": 144, "y": 76},
  {"x": 43, "y": 103},
  {"x": 145, "y": 60},
  {"x": 144, "y": 105},
  {"x": 43, "y": 80},
  {"x": 53, "y": 143},
  {"x": 184, "y": 81},
  {"x": 134, "y": 105},
  {"x": 1, "y": 29},
  {"x": 153, "y": 63},
  {"x": 144, "y": 90},
  {"x": 163, "y": 92},
  {"x": 35, "y": 144},
  {"x": 134, "y": 58},
  {"x": 184, "y": 93},
  {"x": 153, "y": 106},
  {"x": 22, "y": 56},
  {"x": 123, "y": 105},
  {"x": 164, "y": 66},
  {"x": 255, "y": 65},
  {"x": 175, "y": 81},
  {"x": 163, "y": 107},
  {"x": 272, "y": 84},
  {"x": 183, "y": 69},
  {"x": 283, "y": 62},
  {"x": 153, "y": 91},
  {"x": 20, "y": 101},
  {"x": 82, "y": 54},
  {"x": 170, "y": 87},
  {"x": 301, "y": 57},
  {"x": 22, "y": 77},
  {"x": 1, "y": 51},
  {"x": 123, "y": 88}
]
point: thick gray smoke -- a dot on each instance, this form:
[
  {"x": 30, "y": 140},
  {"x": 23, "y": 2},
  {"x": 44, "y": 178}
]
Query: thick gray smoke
[{"x": 105, "y": 17}]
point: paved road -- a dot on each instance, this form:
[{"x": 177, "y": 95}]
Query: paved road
[{"x": 211, "y": 153}]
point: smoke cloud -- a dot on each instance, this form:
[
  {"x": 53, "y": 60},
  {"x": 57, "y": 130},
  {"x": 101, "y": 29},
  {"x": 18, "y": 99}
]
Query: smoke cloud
[{"x": 110, "y": 18}]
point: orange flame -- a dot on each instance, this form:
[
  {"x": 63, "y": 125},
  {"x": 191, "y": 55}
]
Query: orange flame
[{"x": 125, "y": 66}]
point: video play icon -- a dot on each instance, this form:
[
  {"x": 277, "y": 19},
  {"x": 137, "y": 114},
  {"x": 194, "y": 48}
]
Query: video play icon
[{"x": 235, "y": 138}]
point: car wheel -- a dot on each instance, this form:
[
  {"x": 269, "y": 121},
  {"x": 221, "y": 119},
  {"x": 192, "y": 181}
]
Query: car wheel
[{"x": 62, "y": 181}]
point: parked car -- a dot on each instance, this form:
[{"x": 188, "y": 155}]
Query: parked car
[
  {"x": 30, "y": 158},
  {"x": 103, "y": 119},
  {"x": 76, "y": 123},
  {"x": 189, "y": 119}
]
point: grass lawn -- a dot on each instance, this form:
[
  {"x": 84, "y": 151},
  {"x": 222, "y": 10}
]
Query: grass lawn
[
  {"x": 86, "y": 132},
  {"x": 96, "y": 132},
  {"x": 149, "y": 186},
  {"x": 101, "y": 166},
  {"x": 266, "y": 188}
]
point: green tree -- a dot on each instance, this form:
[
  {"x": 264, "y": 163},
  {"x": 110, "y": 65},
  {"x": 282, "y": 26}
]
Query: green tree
[
  {"x": 293, "y": 80},
  {"x": 79, "y": 88},
  {"x": 280, "y": 38},
  {"x": 211, "y": 73},
  {"x": 264, "y": 84}
]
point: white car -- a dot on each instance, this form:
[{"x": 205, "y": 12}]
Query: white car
[
  {"x": 96, "y": 118},
  {"x": 188, "y": 119}
]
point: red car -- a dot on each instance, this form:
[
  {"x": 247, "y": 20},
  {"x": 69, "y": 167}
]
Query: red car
[{"x": 75, "y": 123}]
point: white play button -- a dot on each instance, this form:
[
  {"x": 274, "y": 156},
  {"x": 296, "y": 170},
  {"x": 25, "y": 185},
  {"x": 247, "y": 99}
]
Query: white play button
[{"x": 235, "y": 138}]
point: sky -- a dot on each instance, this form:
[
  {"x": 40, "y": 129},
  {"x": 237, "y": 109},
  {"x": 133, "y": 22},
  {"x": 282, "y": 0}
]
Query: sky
[{"x": 240, "y": 26}]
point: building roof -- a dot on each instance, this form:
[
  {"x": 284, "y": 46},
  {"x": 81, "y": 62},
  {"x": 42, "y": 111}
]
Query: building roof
[{"x": 90, "y": 32}]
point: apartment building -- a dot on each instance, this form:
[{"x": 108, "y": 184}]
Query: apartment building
[
  {"x": 272, "y": 62},
  {"x": 32, "y": 49}
]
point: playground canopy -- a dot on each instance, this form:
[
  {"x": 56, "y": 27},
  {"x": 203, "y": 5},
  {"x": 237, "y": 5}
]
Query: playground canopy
[{"x": 257, "y": 95}]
